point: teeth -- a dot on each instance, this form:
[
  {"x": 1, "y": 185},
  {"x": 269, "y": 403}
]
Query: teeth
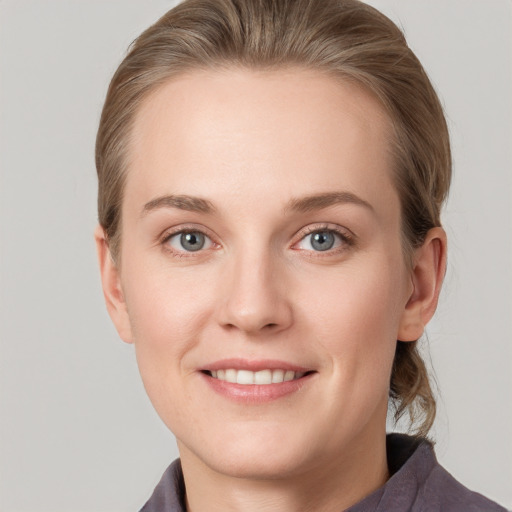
[
  {"x": 245, "y": 377},
  {"x": 261, "y": 377},
  {"x": 230, "y": 376},
  {"x": 278, "y": 376},
  {"x": 289, "y": 375}
]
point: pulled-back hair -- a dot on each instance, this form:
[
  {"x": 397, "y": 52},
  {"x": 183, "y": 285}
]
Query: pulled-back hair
[{"x": 344, "y": 38}]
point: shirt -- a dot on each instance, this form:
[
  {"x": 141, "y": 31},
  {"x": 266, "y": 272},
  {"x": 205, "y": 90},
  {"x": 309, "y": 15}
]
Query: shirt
[{"x": 418, "y": 483}]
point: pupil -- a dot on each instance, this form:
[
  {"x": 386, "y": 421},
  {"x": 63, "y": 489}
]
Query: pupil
[
  {"x": 192, "y": 241},
  {"x": 322, "y": 241}
]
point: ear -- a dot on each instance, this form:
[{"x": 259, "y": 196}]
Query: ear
[
  {"x": 112, "y": 291},
  {"x": 429, "y": 266}
]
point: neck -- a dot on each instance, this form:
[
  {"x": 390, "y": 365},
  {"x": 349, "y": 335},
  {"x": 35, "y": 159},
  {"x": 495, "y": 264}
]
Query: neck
[{"x": 324, "y": 487}]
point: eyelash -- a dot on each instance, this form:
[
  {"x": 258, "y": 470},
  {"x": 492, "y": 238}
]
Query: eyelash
[{"x": 346, "y": 238}]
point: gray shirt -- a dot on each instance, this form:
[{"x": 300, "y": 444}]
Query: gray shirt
[{"x": 417, "y": 484}]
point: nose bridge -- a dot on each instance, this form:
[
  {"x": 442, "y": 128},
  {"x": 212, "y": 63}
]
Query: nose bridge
[{"x": 255, "y": 298}]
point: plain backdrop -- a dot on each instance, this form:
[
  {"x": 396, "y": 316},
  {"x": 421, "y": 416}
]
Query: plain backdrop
[{"x": 77, "y": 433}]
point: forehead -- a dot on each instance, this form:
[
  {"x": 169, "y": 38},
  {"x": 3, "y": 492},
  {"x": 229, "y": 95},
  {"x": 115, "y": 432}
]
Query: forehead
[{"x": 248, "y": 132}]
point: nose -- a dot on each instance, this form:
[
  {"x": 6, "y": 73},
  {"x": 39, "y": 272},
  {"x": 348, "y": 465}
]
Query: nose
[{"x": 254, "y": 296}]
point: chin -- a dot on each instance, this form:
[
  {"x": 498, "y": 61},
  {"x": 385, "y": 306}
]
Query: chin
[
  {"x": 259, "y": 453},
  {"x": 259, "y": 465}
]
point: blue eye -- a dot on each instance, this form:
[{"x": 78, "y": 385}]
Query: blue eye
[
  {"x": 321, "y": 240},
  {"x": 189, "y": 241}
]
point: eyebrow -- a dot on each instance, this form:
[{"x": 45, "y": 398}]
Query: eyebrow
[
  {"x": 181, "y": 202},
  {"x": 324, "y": 200},
  {"x": 300, "y": 205}
]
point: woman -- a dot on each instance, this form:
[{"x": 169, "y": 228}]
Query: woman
[{"x": 271, "y": 175}]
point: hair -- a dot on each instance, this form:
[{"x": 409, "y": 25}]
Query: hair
[{"x": 348, "y": 40}]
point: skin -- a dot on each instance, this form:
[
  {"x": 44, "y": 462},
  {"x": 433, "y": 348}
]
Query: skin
[{"x": 252, "y": 145}]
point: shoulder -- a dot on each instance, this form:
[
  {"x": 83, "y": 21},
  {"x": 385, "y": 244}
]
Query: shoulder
[
  {"x": 169, "y": 494},
  {"x": 436, "y": 490},
  {"x": 441, "y": 491}
]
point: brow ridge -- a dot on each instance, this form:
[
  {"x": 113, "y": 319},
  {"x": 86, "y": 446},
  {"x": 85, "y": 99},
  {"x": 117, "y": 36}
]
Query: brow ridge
[
  {"x": 324, "y": 200},
  {"x": 181, "y": 202},
  {"x": 299, "y": 205}
]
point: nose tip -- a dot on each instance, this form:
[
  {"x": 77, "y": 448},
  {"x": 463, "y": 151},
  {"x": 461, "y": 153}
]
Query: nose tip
[
  {"x": 255, "y": 300},
  {"x": 253, "y": 321}
]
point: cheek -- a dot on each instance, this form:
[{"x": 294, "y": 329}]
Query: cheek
[
  {"x": 356, "y": 319},
  {"x": 167, "y": 317},
  {"x": 166, "y": 308},
  {"x": 168, "y": 311}
]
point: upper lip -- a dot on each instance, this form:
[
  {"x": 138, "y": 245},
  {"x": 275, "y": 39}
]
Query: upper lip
[{"x": 254, "y": 365}]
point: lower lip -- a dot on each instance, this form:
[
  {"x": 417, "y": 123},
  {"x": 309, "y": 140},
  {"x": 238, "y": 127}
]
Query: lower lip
[{"x": 256, "y": 393}]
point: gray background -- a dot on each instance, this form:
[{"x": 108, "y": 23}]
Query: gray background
[{"x": 77, "y": 432}]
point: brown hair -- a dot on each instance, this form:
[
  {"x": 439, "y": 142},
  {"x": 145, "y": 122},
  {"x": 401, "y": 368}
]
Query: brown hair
[{"x": 345, "y": 38}]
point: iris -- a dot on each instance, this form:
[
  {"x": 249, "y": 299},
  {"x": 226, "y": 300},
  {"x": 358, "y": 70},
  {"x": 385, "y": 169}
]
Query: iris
[
  {"x": 322, "y": 240},
  {"x": 192, "y": 241}
]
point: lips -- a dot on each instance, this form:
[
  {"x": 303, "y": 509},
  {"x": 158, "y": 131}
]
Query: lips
[{"x": 255, "y": 381}]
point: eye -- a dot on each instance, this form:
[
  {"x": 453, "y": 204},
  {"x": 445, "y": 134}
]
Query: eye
[
  {"x": 322, "y": 240},
  {"x": 188, "y": 241}
]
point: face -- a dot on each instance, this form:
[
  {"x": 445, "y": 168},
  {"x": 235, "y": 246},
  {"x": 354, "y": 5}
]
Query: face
[{"x": 261, "y": 268}]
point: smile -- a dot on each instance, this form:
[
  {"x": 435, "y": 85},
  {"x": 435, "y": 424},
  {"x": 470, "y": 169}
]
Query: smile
[
  {"x": 252, "y": 382},
  {"x": 261, "y": 377}
]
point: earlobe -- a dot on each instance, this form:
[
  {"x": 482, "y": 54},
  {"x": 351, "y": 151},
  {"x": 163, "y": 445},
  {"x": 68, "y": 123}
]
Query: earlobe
[
  {"x": 429, "y": 266},
  {"x": 112, "y": 290}
]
